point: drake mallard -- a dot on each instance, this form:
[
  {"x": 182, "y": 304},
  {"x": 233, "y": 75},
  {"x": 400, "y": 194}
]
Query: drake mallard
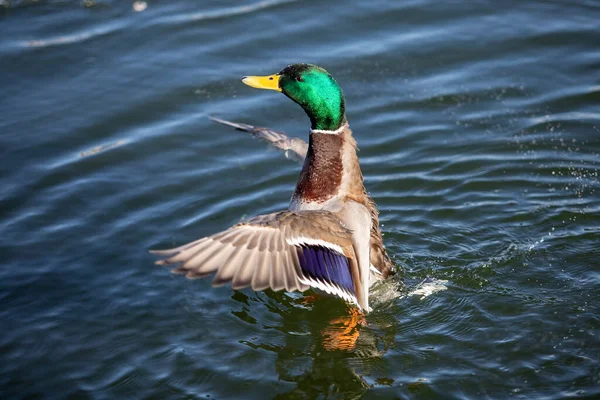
[{"x": 329, "y": 237}]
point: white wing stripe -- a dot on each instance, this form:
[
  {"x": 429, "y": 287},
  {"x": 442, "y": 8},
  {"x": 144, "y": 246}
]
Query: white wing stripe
[
  {"x": 303, "y": 240},
  {"x": 330, "y": 289}
]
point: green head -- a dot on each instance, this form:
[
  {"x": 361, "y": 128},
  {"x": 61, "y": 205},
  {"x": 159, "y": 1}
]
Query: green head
[{"x": 312, "y": 88}]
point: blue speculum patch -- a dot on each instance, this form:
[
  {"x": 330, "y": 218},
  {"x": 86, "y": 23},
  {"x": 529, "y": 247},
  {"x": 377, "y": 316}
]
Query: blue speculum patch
[{"x": 326, "y": 265}]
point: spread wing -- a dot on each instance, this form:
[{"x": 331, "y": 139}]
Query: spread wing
[
  {"x": 285, "y": 250},
  {"x": 294, "y": 147}
]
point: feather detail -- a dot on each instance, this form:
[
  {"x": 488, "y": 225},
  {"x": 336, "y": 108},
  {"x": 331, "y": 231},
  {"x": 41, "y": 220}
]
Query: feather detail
[{"x": 285, "y": 250}]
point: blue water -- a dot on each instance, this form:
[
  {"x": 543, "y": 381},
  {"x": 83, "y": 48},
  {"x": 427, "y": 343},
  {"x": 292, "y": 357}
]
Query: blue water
[{"x": 479, "y": 132}]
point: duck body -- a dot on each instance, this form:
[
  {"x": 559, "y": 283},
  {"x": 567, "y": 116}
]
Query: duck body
[{"x": 329, "y": 238}]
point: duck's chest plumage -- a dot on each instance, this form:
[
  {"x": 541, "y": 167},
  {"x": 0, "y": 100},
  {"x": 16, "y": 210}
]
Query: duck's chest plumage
[
  {"x": 321, "y": 177},
  {"x": 331, "y": 180}
]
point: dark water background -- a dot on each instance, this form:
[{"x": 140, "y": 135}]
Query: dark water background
[{"x": 479, "y": 132}]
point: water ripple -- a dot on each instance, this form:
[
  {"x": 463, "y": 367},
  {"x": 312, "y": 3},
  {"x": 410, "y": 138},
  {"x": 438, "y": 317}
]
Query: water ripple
[
  {"x": 478, "y": 140},
  {"x": 223, "y": 12}
]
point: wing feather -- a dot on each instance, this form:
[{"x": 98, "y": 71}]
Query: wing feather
[
  {"x": 277, "y": 273},
  {"x": 227, "y": 269},
  {"x": 260, "y": 278},
  {"x": 286, "y": 250},
  {"x": 243, "y": 275}
]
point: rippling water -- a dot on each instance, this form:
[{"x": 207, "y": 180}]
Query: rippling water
[{"x": 479, "y": 130}]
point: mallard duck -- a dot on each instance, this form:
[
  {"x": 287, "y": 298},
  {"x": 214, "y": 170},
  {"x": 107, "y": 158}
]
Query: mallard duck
[{"x": 329, "y": 237}]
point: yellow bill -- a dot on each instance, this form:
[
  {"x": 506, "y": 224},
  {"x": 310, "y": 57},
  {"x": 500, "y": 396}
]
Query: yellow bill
[{"x": 270, "y": 82}]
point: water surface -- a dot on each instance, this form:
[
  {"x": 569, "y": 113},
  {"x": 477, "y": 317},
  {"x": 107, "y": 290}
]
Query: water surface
[{"x": 479, "y": 132}]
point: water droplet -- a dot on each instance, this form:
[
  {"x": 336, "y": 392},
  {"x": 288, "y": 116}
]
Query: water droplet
[{"x": 139, "y": 6}]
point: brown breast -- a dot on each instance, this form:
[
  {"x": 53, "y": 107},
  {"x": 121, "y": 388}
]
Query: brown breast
[{"x": 321, "y": 174}]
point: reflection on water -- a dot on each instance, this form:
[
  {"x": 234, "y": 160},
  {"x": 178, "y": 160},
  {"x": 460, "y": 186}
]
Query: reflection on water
[
  {"x": 326, "y": 344},
  {"x": 342, "y": 333},
  {"x": 328, "y": 347}
]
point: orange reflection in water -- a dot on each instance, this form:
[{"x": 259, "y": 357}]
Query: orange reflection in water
[{"x": 343, "y": 332}]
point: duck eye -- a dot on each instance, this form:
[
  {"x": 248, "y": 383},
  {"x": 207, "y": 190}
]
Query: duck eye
[
  {"x": 299, "y": 79},
  {"x": 270, "y": 78}
]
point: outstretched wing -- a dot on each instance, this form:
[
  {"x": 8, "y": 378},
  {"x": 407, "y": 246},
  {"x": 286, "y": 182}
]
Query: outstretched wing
[
  {"x": 294, "y": 148},
  {"x": 285, "y": 250}
]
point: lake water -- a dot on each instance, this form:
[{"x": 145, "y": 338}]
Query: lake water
[{"x": 479, "y": 132}]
